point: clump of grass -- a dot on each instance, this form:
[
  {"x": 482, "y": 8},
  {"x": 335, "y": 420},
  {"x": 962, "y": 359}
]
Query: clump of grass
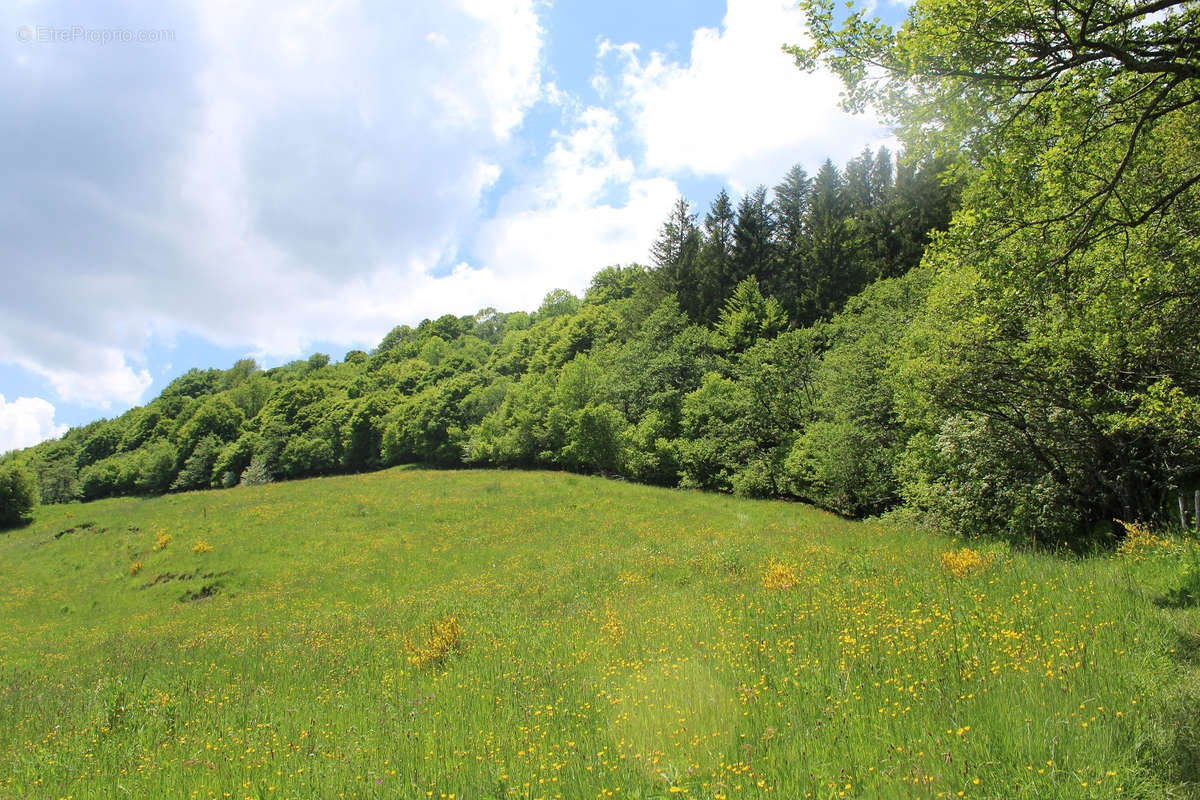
[
  {"x": 1191, "y": 570},
  {"x": 135, "y": 568},
  {"x": 965, "y": 561},
  {"x": 443, "y": 640},
  {"x": 779, "y": 577},
  {"x": 1187, "y": 593},
  {"x": 161, "y": 542},
  {"x": 201, "y": 547}
]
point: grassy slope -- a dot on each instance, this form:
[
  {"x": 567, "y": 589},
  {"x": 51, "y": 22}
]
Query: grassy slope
[{"x": 617, "y": 640}]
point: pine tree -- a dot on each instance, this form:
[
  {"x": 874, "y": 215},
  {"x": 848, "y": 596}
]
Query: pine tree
[
  {"x": 834, "y": 276},
  {"x": 675, "y": 253},
  {"x": 753, "y": 251},
  {"x": 715, "y": 251},
  {"x": 857, "y": 183},
  {"x": 790, "y": 227},
  {"x": 875, "y": 222},
  {"x": 921, "y": 203}
]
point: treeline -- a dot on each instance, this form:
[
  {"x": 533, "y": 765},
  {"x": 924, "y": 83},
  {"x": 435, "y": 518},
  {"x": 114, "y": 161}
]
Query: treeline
[
  {"x": 788, "y": 347},
  {"x": 812, "y": 243},
  {"x": 620, "y": 382}
]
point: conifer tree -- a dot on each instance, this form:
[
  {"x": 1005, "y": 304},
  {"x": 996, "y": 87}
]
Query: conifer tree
[
  {"x": 715, "y": 252},
  {"x": 753, "y": 251},
  {"x": 675, "y": 255}
]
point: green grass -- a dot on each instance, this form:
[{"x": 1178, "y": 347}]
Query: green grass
[{"x": 616, "y": 641}]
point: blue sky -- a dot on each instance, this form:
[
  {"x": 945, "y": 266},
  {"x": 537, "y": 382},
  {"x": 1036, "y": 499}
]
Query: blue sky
[{"x": 190, "y": 183}]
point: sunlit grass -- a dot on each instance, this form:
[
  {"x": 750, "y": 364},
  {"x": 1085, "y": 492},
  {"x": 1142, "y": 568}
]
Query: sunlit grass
[{"x": 500, "y": 634}]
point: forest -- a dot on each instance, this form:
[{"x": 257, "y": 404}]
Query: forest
[{"x": 995, "y": 329}]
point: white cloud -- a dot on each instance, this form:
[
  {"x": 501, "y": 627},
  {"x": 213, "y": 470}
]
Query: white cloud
[
  {"x": 585, "y": 209},
  {"x": 739, "y": 109},
  {"x": 26, "y": 421},
  {"x": 582, "y": 208},
  {"x": 281, "y": 173},
  {"x": 509, "y": 62},
  {"x": 82, "y": 372},
  {"x": 98, "y": 381}
]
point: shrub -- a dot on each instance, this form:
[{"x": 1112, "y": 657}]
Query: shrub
[
  {"x": 779, "y": 577},
  {"x": 649, "y": 454},
  {"x": 155, "y": 466},
  {"x": 1140, "y": 542},
  {"x": 965, "y": 561},
  {"x": 304, "y": 456},
  {"x": 443, "y": 640},
  {"x": 234, "y": 458},
  {"x": 109, "y": 477},
  {"x": 18, "y": 494},
  {"x": 58, "y": 481},
  {"x": 844, "y": 466},
  {"x": 978, "y": 478},
  {"x": 594, "y": 438},
  {"x": 256, "y": 473},
  {"x": 758, "y": 478},
  {"x": 199, "y": 465}
]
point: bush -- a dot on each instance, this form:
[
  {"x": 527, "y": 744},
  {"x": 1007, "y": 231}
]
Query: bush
[
  {"x": 58, "y": 482},
  {"x": 977, "y": 478},
  {"x": 257, "y": 473},
  {"x": 198, "y": 468},
  {"x": 716, "y": 439},
  {"x": 648, "y": 452},
  {"x": 155, "y": 468},
  {"x": 759, "y": 477},
  {"x": 304, "y": 456},
  {"x": 18, "y": 494},
  {"x": 110, "y": 477},
  {"x": 234, "y": 458},
  {"x": 843, "y": 467},
  {"x": 594, "y": 439}
]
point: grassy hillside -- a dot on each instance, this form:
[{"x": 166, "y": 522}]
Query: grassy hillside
[{"x": 475, "y": 634}]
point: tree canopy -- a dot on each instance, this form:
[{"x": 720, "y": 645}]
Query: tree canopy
[{"x": 1062, "y": 322}]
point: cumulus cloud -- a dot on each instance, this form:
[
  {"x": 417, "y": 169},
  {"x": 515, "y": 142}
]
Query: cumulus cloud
[
  {"x": 96, "y": 377},
  {"x": 26, "y": 421},
  {"x": 274, "y": 174},
  {"x": 738, "y": 109},
  {"x": 586, "y": 208}
]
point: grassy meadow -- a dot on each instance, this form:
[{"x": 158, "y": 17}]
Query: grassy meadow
[{"x": 481, "y": 634}]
